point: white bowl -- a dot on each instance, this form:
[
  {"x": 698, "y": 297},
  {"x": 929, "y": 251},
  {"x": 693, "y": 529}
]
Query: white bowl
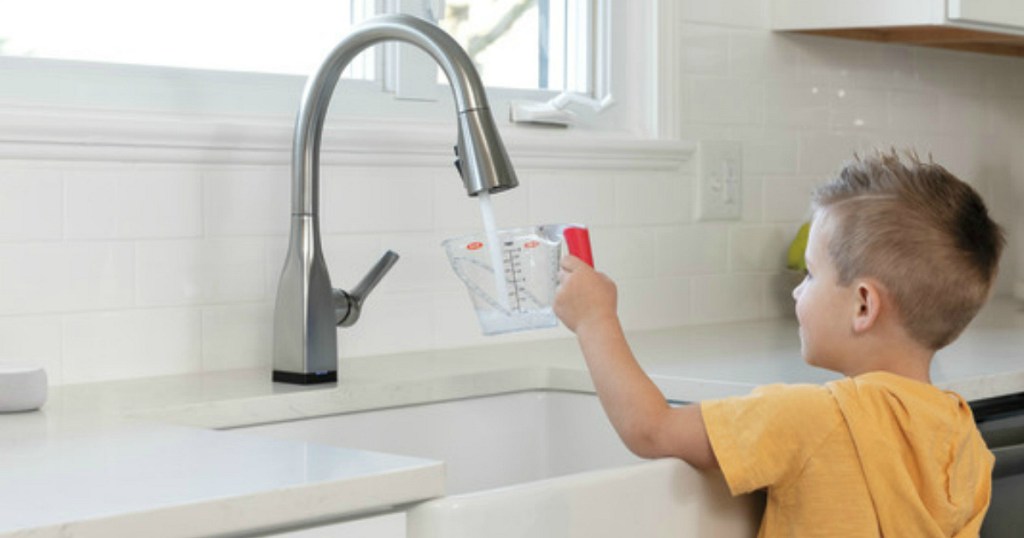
[{"x": 22, "y": 386}]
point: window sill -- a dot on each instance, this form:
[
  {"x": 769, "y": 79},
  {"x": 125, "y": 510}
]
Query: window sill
[{"x": 30, "y": 133}]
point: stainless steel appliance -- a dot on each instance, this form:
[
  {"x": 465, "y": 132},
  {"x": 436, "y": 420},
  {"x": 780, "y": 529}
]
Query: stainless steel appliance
[{"x": 1001, "y": 421}]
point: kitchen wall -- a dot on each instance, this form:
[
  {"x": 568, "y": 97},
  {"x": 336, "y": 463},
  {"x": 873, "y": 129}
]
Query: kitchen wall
[{"x": 114, "y": 267}]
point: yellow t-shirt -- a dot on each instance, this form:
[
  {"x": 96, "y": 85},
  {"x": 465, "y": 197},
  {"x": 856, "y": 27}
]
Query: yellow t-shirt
[{"x": 874, "y": 455}]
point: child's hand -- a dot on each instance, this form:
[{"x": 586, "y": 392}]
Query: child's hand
[{"x": 585, "y": 295}]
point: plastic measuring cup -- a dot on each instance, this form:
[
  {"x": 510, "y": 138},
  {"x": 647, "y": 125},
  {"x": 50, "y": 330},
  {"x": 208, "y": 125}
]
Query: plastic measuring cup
[{"x": 530, "y": 256}]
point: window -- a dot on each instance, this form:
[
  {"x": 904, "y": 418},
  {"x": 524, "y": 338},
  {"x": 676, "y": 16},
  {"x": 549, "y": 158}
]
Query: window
[{"x": 240, "y": 57}]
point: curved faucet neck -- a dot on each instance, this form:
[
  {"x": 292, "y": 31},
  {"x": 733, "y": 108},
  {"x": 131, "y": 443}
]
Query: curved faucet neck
[{"x": 466, "y": 88}]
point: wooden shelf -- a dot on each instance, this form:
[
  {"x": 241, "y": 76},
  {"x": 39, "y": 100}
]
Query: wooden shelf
[{"x": 946, "y": 37}]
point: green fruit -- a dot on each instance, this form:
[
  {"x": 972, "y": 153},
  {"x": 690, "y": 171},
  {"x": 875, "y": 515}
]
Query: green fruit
[{"x": 795, "y": 258}]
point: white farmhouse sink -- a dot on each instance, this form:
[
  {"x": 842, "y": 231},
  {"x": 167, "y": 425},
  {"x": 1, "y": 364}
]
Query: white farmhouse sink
[
  {"x": 538, "y": 464},
  {"x": 485, "y": 442}
]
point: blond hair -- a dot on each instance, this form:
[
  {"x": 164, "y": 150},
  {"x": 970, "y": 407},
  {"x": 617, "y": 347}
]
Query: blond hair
[{"x": 922, "y": 233}]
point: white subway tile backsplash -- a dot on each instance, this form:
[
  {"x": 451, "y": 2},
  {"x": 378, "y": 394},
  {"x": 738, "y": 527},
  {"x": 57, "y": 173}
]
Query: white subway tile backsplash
[
  {"x": 55, "y": 277},
  {"x": 192, "y": 272},
  {"x": 133, "y": 202},
  {"x": 822, "y": 153},
  {"x": 391, "y": 323},
  {"x": 655, "y": 303},
  {"x": 237, "y": 336},
  {"x": 797, "y": 104},
  {"x": 735, "y": 101},
  {"x": 379, "y": 199},
  {"x": 131, "y": 343},
  {"x": 788, "y": 199},
  {"x": 703, "y": 51},
  {"x": 960, "y": 113},
  {"x": 626, "y": 252},
  {"x": 914, "y": 111},
  {"x": 587, "y": 198},
  {"x": 653, "y": 199},
  {"x": 730, "y": 297},
  {"x": 858, "y": 108},
  {"x": 769, "y": 151},
  {"x": 695, "y": 249},
  {"x": 760, "y": 249},
  {"x": 761, "y": 55},
  {"x": 747, "y": 13},
  {"x": 31, "y": 205},
  {"x": 246, "y": 200}
]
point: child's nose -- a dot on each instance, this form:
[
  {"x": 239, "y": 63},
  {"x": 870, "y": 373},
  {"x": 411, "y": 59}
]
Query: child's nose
[{"x": 798, "y": 290}]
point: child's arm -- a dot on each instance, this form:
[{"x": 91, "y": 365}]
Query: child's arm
[{"x": 586, "y": 303}]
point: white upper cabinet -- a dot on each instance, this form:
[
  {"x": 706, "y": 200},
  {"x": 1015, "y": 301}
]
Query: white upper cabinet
[
  {"x": 992, "y": 26},
  {"x": 1007, "y": 14}
]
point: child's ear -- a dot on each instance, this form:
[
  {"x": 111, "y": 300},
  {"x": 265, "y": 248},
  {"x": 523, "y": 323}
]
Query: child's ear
[{"x": 868, "y": 305}]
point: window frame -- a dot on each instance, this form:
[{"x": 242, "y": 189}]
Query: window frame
[{"x": 97, "y": 89}]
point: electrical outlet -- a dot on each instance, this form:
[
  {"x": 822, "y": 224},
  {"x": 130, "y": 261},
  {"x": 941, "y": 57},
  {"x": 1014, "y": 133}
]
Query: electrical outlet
[{"x": 719, "y": 180}]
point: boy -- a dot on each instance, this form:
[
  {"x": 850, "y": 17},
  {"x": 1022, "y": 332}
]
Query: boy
[{"x": 900, "y": 258}]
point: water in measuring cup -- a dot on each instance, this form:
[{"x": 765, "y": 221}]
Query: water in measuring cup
[{"x": 494, "y": 246}]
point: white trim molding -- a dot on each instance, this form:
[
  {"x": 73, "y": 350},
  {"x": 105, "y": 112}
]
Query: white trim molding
[{"x": 87, "y": 135}]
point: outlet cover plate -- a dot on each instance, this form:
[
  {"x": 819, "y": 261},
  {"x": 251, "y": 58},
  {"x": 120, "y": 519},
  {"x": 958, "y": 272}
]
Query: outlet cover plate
[{"x": 719, "y": 180}]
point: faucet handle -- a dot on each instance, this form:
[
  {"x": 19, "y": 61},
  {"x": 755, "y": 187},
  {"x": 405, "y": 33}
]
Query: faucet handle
[{"x": 347, "y": 305}]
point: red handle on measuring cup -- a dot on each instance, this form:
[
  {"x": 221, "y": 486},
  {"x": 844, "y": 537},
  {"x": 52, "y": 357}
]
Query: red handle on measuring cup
[{"x": 578, "y": 241}]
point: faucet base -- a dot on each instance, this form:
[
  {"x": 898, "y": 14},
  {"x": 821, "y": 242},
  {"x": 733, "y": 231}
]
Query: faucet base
[{"x": 295, "y": 378}]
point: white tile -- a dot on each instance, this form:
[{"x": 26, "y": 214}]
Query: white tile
[
  {"x": 788, "y": 200},
  {"x": 727, "y": 100},
  {"x": 964, "y": 114},
  {"x": 35, "y": 339},
  {"x": 720, "y": 298},
  {"x": 377, "y": 199},
  {"x": 566, "y": 197},
  {"x": 455, "y": 321},
  {"x": 769, "y": 150},
  {"x": 246, "y": 200},
  {"x": 747, "y": 13},
  {"x": 703, "y": 50},
  {"x": 778, "y": 301},
  {"x": 55, "y": 277},
  {"x": 31, "y": 204},
  {"x": 653, "y": 199},
  {"x": 692, "y": 250},
  {"x": 625, "y": 252},
  {"x": 390, "y": 323},
  {"x": 753, "y": 198},
  {"x": 131, "y": 343},
  {"x": 857, "y": 108},
  {"x": 654, "y": 303},
  {"x": 913, "y": 111},
  {"x": 759, "y": 248},
  {"x": 825, "y": 153},
  {"x": 184, "y": 272},
  {"x": 762, "y": 54},
  {"x": 949, "y": 70},
  {"x": 796, "y": 104},
  {"x": 237, "y": 336},
  {"x": 423, "y": 265},
  {"x": 133, "y": 202}
]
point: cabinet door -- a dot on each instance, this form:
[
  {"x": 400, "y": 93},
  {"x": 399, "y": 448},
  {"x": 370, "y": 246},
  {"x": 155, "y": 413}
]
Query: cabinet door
[
  {"x": 386, "y": 526},
  {"x": 1000, "y": 12}
]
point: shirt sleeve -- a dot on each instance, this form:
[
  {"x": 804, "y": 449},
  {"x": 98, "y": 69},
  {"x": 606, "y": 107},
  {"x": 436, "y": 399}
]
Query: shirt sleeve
[{"x": 763, "y": 439}]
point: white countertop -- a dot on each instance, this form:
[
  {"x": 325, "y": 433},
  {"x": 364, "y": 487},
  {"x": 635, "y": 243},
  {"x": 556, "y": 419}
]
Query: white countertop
[{"x": 112, "y": 459}]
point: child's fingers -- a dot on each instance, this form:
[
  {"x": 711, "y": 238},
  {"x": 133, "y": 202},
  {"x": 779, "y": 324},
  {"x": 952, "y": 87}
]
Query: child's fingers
[{"x": 571, "y": 263}]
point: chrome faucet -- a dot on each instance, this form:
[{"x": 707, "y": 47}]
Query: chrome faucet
[{"x": 308, "y": 310}]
